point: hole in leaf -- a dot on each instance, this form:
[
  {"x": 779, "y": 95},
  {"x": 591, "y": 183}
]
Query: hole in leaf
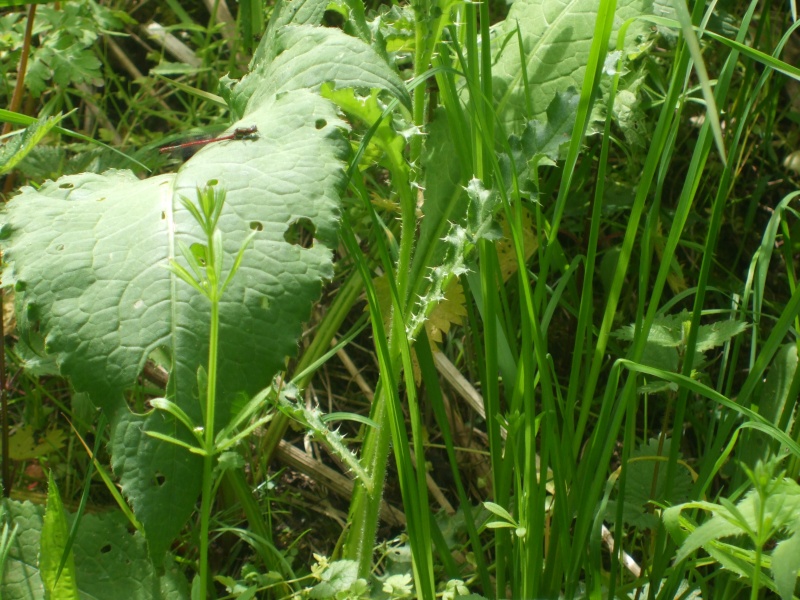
[
  {"x": 320, "y": 123},
  {"x": 156, "y": 368},
  {"x": 19, "y": 286},
  {"x": 333, "y": 18},
  {"x": 300, "y": 233},
  {"x": 256, "y": 226},
  {"x": 66, "y": 186},
  {"x": 105, "y": 549},
  {"x": 163, "y": 216},
  {"x": 159, "y": 479}
]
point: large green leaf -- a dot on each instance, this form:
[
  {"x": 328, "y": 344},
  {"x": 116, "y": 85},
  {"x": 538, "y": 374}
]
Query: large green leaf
[
  {"x": 308, "y": 57},
  {"x": 287, "y": 12},
  {"x": 109, "y": 561},
  {"x": 556, "y": 36},
  {"x": 87, "y": 256}
]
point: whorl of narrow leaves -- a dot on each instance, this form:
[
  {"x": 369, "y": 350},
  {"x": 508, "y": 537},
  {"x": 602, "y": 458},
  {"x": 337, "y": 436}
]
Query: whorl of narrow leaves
[{"x": 770, "y": 508}]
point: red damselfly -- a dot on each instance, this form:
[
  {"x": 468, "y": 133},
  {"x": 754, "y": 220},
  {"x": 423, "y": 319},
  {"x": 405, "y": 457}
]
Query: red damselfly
[{"x": 240, "y": 133}]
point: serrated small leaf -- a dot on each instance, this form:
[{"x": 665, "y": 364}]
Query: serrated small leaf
[
  {"x": 58, "y": 582},
  {"x": 23, "y": 446},
  {"x": 637, "y": 510},
  {"x": 338, "y": 577},
  {"x": 450, "y": 311},
  {"x": 666, "y": 331},
  {"x": 506, "y": 254},
  {"x": 715, "y": 528},
  {"x": 719, "y": 333},
  {"x": 230, "y": 460},
  {"x": 750, "y": 516},
  {"x": 542, "y": 140},
  {"x": 13, "y": 150},
  {"x": 481, "y": 208}
]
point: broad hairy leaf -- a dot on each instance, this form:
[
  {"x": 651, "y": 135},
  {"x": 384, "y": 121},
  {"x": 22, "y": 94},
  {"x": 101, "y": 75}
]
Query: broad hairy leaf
[
  {"x": 109, "y": 561},
  {"x": 557, "y": 37},
  {"x": 311, "y": 56},
  {"x": 88, "y": 256},
  {"x": 288, "y": 12}
]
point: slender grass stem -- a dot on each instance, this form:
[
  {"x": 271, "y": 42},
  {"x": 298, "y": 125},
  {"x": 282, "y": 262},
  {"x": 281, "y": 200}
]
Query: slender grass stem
[{"x": 208, "y": 459}]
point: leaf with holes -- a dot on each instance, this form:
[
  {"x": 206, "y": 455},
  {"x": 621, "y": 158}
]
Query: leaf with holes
[
  {"x": 88, "y": 255},
  {"x": 109, "y": 561}
]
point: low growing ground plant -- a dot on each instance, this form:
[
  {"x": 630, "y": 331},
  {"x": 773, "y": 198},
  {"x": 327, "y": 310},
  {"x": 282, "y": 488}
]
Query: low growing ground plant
[{"x": 559, "y": 238}]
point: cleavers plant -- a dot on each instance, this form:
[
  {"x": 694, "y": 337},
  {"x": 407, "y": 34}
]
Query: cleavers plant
[{"x": 206, "y": 277}]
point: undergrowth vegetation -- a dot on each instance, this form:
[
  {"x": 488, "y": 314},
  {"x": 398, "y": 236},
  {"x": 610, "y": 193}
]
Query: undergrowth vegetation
[{"x": 464, "y": 300}]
